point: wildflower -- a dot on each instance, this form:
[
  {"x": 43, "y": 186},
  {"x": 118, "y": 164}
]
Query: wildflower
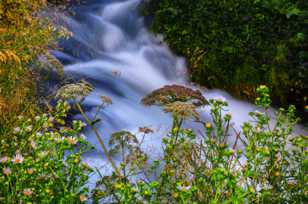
[
  {"x": 79, "y": 124},
  {"x": 258, "y": 129},
  {"x": 7, "y": 171},
  {"x": 182, "y": 110},
  {"x": 27, "y": 192},
  {"x": 29, "y": 128},
  {"x": 213, "y": 141},
  {"x": 86, "y": 166},
  {"x": 263, "y": 87},
  {"x": 82, "y": 136},
  {"x": 266, "y": 151},
  {"x": 50, "y": 192},
  {"x": 184, "y": 187},
  {"x": 39, "y": 134},
  {"x": 175, "y": 194},
  {"x": 228, "y": 116},
  {"x": 77, "y": 160},
  {"x": 172, "y": 93},
  {"x": 42, "y": 154},
  {"x": 33, "y": 144},
  {"x": 17, "y": 130},
  {"x": 3, "y": 159},
  {"x": 208, "y": 125},
  {"x": 82, "y": 124},
  {"x": 71, "y": 140},
  {"x": 221, "y": 99},
  {"x": 258, "y": 113},
  {"x": 18, "y": 159},
  {"x": 20, "y": 117},
  {"x": 229, "y": 152},
  {"x": 119, "y": 185},
  {"x": 147, "y": 193},
  {"x": 37, "y": 118},
  {"x": 58, "y": 139},
  {"x": 83, "y": 198},
  {"x": 74, "y": 91},
  {"x": 292, "y": 183},
  {"x": 277, "y": 173},
  {"x": 222, "y": 145},
  {"x": 51, "y": 119},
  {"x": 66, "y": 105},
  {"x": 30, "y": 171},
  {"x": 45, "y": 125}
]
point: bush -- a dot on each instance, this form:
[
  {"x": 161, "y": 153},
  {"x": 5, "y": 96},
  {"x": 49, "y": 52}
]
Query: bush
[
  {"x": 47, "y": 167},
  {"x": 236, "y": 45}
]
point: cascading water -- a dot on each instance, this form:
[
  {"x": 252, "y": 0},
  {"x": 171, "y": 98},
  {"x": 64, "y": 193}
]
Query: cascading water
[{"x": 112, "y": 49}]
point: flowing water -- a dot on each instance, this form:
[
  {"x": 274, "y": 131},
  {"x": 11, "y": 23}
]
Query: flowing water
[{"x": 113, "y": 50}]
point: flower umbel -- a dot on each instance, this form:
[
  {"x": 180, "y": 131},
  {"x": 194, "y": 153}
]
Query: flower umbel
[
  {"x": 73, "y": 91},
  {"x": 174, "y": 93}
]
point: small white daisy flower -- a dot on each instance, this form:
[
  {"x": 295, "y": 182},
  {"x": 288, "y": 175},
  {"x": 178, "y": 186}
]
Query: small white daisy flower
[
  {"x": 29, "y": 128},
  {"x": 7, "y": 171},
  {"x": 3, "y": 159},
  {"x": 17, "y": 130},
  {"x": 18, "y": 159}
]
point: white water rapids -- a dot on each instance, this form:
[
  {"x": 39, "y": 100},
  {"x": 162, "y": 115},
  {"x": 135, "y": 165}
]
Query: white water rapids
[{"x": 113, "y": 50}]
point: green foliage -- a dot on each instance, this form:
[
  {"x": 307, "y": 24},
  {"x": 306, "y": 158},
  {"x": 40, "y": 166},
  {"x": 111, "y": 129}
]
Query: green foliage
[
  {"x": 237, "y": 44},
  {"x": 265, "y": 163},
  {"x": 47, "y": 167}
]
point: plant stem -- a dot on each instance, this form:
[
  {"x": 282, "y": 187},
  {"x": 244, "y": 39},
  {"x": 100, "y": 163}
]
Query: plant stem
[{"x": 99, "y": 139}]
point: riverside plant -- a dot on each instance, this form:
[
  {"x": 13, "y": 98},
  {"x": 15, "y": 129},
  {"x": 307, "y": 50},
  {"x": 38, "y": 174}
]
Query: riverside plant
[
  {"x": 47, "y": 167},
  {"x": 270, "y": 165}
]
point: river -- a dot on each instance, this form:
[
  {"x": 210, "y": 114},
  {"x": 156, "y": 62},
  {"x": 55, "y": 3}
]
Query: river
[{"x": 113, "y": 50}]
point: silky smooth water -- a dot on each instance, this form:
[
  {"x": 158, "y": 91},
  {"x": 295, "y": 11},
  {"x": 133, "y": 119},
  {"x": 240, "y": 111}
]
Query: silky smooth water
[{"x": 113, "y": 50}]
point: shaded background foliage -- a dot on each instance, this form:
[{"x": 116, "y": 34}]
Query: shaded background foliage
[{"x": 237, "y": 44}]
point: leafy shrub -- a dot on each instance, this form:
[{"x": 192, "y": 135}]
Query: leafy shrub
[
  {"x": 47, "y": 167},
  {"x": 236, "y": 45}
]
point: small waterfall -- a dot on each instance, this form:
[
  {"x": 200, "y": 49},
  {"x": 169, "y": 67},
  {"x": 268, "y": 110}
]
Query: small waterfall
[{"x": 112, "y": 49}]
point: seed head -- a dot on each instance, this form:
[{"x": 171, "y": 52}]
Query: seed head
[{"x": 174, "y": 93}]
